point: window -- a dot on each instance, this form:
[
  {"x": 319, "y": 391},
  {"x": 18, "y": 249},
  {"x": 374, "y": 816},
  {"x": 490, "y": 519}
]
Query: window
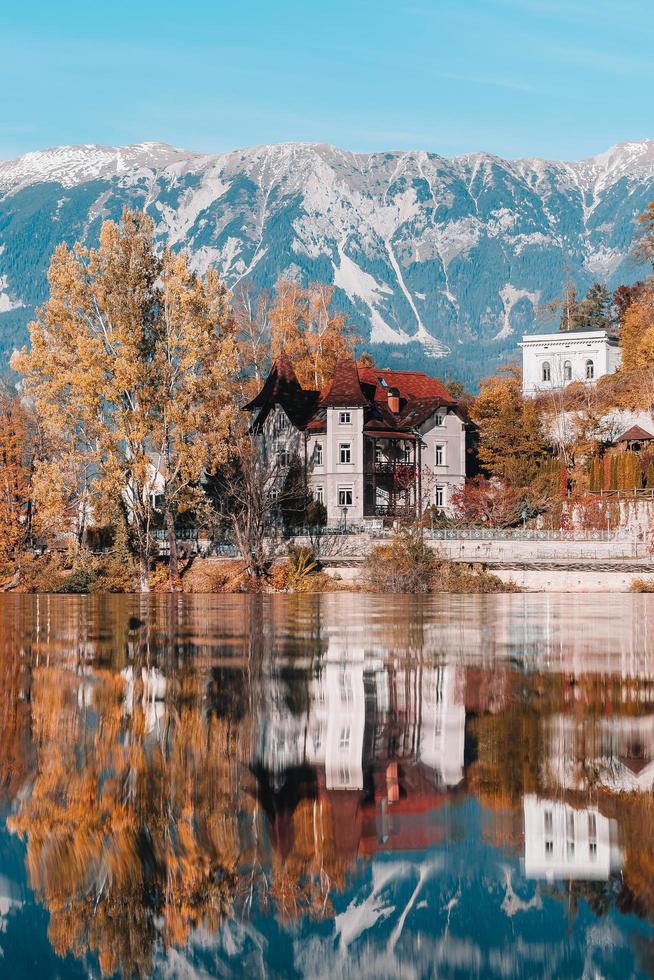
[
  {"x": 439, "y": 419},
  {"x": 440, "y": 496},
  {"x": 440, "y": 454},
  {"x": 547, "y": 371},
  {"x": 317, "y": 454},
  {"x": 319, "y": 495},
  {"x": 592, "y": 826},
  {"x": 345, "y": 496},
  {"x": 284, "y": 457},
  {"x": 549, "y": 823},
  {"x": 282, "y": 422},
  {"x": 345, "y": 452},
  {"x": 567, "y": 371},
  {"x": 345, "y": 688},
  {"x": 590, "y": 370},
  {"x": 344, "y": 739},
  {"x": 405, "y": 454},
  {"x": 378, "y": 455},
  {"x": 549, "y": 847},
  {"x": 344, "y": 418}
]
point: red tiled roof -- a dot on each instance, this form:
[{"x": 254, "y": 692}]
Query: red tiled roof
[
  {"x": 635, "y": 434},
  {"x": 345, "y": 388},
  {"x": 410, "y": 384},
  {"x": 354, "y": 386}
]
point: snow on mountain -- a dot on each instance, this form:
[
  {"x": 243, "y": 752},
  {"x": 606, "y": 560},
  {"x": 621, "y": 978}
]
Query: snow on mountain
[{"x": 454, "y": 257}]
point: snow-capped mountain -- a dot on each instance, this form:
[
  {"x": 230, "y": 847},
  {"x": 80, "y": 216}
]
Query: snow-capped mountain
[{"x": 450, "y": 256}]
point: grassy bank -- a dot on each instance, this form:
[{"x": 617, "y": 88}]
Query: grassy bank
[{"x": 406, "y": 565}]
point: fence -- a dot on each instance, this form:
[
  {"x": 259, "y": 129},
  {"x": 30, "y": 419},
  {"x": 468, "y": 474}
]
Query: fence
[{"x": 518, "y": 534}]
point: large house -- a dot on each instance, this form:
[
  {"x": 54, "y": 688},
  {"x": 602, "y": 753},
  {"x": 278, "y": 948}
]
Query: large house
[
  {"x": 373, "y": 443},
  {"x": 551, "y": 361}
]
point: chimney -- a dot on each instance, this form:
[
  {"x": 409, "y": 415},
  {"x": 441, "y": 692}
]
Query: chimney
[{"x": 393, "y": 400}]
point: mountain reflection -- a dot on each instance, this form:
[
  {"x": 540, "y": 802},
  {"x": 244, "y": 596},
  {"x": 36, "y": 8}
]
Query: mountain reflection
[{"x": 331, "y": 785}]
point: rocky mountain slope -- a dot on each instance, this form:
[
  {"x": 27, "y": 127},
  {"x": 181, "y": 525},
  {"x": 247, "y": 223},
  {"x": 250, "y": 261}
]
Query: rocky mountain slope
[{"x": 431, "y": 257}]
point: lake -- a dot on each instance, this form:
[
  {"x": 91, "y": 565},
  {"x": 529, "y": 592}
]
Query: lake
[{"x": 327, "y": 786}]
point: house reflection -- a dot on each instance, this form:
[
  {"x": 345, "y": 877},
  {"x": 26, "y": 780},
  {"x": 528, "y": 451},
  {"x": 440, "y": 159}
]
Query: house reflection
[
  {"x": 563, "y": 842},
  {"x": 615, "y": 753},
  {"x": 376, "y": 741}
]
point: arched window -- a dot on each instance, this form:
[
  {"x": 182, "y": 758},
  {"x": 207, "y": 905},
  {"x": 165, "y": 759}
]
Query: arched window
[
  {"x": 567, "y": 371},
  {"x": 590, "y": 370},
  {"x": 547, "y": 371}
]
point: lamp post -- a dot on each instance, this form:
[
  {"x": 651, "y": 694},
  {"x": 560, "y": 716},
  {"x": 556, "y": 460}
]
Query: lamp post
[{"x": 344, "y": 511}]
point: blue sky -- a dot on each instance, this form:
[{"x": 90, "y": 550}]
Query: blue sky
[{"x": 554, "y": 78}]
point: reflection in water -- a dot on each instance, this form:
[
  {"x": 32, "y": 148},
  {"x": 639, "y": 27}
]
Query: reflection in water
[{"x": 327, "y": 786}]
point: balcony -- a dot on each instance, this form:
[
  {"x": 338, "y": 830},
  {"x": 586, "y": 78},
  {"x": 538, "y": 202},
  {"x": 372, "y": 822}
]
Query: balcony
[
  {"x": 390, "y": 510},
  {"x": 387, "y": 468}
]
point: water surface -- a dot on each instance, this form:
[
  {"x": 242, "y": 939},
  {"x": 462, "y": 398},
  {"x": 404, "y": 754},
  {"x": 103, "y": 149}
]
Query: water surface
[{"x": 327, "y": 786}]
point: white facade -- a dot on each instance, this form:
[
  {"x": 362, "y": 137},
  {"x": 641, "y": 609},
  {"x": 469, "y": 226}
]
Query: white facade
[
  {"x": 564, "y": 843},
  {"x": 551, "y": 361},
  {"x": 336, "y": 482}
]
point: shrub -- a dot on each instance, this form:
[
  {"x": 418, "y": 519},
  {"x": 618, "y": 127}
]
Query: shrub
[
  {"x": 642, "y": 585},
  {"x": 316, "y": 514},
  {"x": 404, "y": 565},
  {"x": 407, "y": 564}
]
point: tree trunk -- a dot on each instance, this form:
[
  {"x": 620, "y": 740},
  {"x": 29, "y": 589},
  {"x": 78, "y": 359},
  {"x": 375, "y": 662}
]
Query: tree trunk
[
  {"x": 173, "y": 564},
  {"x": 144, "y": 572}
]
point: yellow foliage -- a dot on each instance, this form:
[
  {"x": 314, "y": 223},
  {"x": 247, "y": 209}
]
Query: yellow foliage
[
  {"x": 313, "y": 337},
  {"x": 129, "y": 370}
]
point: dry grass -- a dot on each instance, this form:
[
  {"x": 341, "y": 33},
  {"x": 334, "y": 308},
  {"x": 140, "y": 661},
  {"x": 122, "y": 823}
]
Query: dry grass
[{"x": 408, "y": 565}]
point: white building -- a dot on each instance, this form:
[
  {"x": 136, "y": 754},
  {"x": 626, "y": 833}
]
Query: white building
[
  {"x": 564, "y": 843},
  {"x": 551, "y": 361}
]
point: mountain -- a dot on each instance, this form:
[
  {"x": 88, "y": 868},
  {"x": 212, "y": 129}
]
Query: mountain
[{"x": 431, "y": 257}]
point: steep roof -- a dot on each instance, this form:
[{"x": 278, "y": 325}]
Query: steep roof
[
  {"x": 345, "y": 388},
  {"x": 282, "y": 387},
  {"x": 635, "y": 434},
  {"x": 354, "y": 386}
]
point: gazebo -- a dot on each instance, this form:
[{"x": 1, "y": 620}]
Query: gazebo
[{"x": 634, "y": 439}]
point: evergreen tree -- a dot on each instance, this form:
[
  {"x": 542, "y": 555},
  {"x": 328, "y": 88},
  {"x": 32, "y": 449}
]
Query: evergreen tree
[{"x": 597, "y": 308}]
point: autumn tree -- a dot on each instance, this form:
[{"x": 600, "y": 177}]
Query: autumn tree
[
  {"x": 491, "y": 503},
  {"x": 512, "y": 446},
  {"x": 304, "y": 326},
  {"x": 128, "y": 371},
  {"x": 17, "y": 447},
  {"x": 253, "y": 496},
  {"x": 251, "y": 317},
  {"x": 645, "y": 244}
]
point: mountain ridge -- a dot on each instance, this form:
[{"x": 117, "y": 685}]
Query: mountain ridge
[{"x": 448, "y": 257}]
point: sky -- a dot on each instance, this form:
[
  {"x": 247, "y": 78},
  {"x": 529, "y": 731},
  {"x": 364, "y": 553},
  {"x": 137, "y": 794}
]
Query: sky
[{"x": 561, "y": 79}]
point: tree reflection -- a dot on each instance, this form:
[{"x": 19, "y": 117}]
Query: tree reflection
[{"x": 172, "y": 767}]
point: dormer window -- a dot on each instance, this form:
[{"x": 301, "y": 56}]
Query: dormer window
[
  {"x": 345, "y": 418},
  {"x": 439, "y": 419}
]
